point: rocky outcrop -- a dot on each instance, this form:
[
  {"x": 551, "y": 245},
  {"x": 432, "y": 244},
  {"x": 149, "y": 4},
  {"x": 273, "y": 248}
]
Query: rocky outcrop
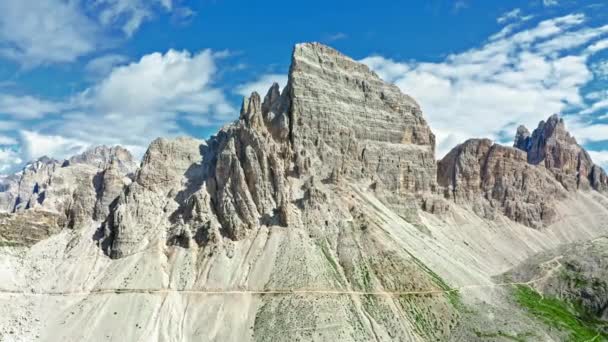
[
  {"x": 551, "y": 145},
  {"x": 334, "y": 119},
  {"x": 79, "y": 190},
  {"x": 102, "y": 156},
  {"x": 346, "y": 120},
  {"x": 523, "y": 182},
  {"x": 191, "y": 192},
  {"x": 493, "y": 178},
  {"x": 28, "y": 228}
]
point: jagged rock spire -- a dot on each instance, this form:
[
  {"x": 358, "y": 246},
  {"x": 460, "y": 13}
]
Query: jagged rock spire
[{"x": 551, "y": 145}]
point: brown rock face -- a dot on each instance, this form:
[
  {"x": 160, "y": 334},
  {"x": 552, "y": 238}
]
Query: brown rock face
[
  {"x": 521, "y": 182},
  {"x": 552, "y": 146},
  {"x": 492, "y": 178}
]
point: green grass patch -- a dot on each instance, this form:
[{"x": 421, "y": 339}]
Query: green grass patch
[
  {"x": 451, "y": 293},
  {"x": 5, "y": 243},
  {"x": 559, "y": 314}
]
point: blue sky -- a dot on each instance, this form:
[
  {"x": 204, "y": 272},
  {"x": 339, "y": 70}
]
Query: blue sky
[{"x": 76, "y": 73}]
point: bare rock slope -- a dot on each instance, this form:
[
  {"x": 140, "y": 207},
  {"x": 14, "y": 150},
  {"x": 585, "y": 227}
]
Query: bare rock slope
[{"x": 318, "y": 215}]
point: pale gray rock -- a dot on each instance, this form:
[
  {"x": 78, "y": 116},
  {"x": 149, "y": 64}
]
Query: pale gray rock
[
  {"x": 346, "y": 119},
  {"x": 78, "y": 189},
  {"x": 102, "y": 156},
  {"x": 335, "y": 118}
]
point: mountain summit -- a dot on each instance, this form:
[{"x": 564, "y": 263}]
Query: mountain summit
[{"x": 320, "y": 214}]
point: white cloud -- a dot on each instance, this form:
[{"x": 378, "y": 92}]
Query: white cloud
[
  {"x": 510, "y": 15},
  {"x": 161, "y": 86},
  {"x": 262, "y": 84},
  {"x": 8, "y": 159},
  {"x": 61, "y": 31},
  {"x": 336, "y": 36},
  {"x": 600, "y": 69},
  {"x": 27, "y": 107},
  {"x": 6, "y": 140},
  {"x": 600, "y": 158},
  {"x": 128, "y": 14},
  {"x": 103, "y": 65},
  {"x": 596, "y": 106},
  {"x": 35, "y": 145},
  {"x": 522, "y": 77},
  {"x": 159, "y": 95},
  {"x": 598, "y": 46},
  {"x": 585, "y": 130},
  {"x": 387, "y": 69},
  {"x": 549, "y": 3},
  {"x": 133, "y": 104},
  {"x": 33, "y": 32},
  {"x": 572, "y": 40}
]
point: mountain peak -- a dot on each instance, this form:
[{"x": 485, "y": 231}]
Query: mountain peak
[{"x": 551, "y": 145}]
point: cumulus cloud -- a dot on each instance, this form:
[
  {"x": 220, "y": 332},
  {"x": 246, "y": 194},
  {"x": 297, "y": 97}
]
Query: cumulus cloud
[
  {"x": 133, "y": 104},
  {"x": 33, "y": 32},
  {"x": 103, "y": 65},
  {"x": 261, "y": 84},
  {"x": 128, "y": 14},
  {"x": 27, "y": 107},
  {"x": 600, "y": 158},
  {"x": 36, "y": 145},
  {"x": 522, "y": 76},
  {"x": 60, "y": 31},
  {"x": 9, "y": 159}
]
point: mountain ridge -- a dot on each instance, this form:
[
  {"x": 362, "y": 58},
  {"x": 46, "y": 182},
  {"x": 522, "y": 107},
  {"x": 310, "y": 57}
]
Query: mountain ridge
[{"x": 321, "y": 191}]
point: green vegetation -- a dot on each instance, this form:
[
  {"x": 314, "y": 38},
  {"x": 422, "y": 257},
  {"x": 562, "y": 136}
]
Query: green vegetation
[
  {"x": 451, "y": 293},
  {"x": 6, "y": 243},
  {"x": 560, "y": 315},
  {"x": 575, "y": 278}
]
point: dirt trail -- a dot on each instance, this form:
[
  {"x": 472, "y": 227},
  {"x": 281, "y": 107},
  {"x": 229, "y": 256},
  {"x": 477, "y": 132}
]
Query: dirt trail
[{"x": 269, "y": 292}]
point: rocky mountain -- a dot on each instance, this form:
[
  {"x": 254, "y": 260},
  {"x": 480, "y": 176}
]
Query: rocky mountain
[
  {"x": 552, "y": 146},
  {"x": 523, "y": 182},
  {"x": 320, "y": 214},
  {"x": 76, "y": 191}
]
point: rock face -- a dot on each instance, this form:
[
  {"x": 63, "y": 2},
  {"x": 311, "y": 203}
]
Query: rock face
[
  {"x": 79, "y": 189},
  {"x": 346, "y": 120},
  {"x": 335, "y": 118},
  {"x": 551, "y": 145},
  {"x": 521, "y": 182},
  {"x": 494, "y": 178},
  {"x": 102, "y": 156}
]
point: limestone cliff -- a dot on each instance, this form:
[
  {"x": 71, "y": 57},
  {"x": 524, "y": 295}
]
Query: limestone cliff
[
  {"x": 335, "y": 118},
  {"x": 79, "y": 189},
  {"x": 523, "y": 182},
  {"x": 551, "y": 145}
]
